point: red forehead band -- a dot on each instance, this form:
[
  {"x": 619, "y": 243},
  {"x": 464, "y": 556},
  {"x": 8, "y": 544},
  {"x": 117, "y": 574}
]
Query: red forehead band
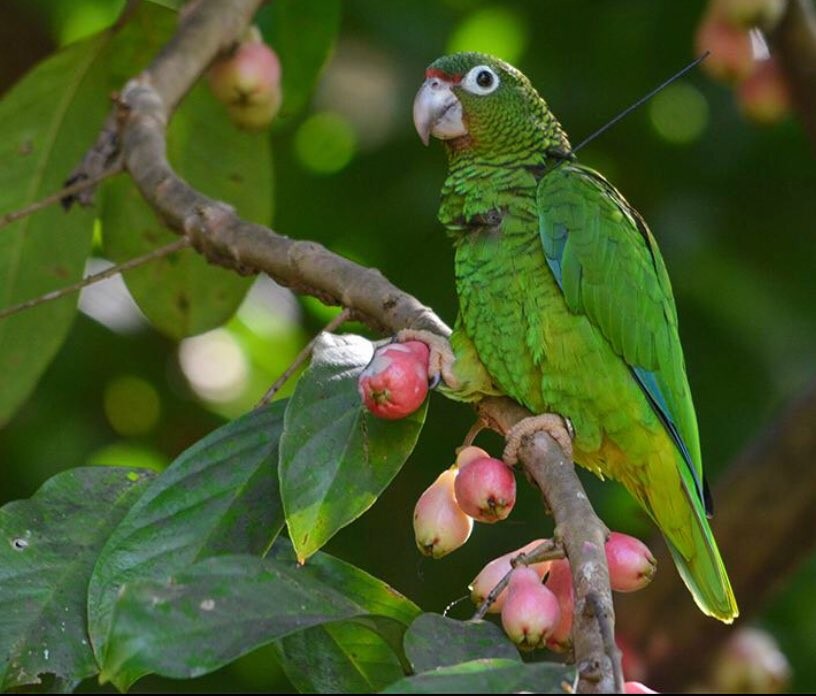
[{"x": 442, "y": 75}]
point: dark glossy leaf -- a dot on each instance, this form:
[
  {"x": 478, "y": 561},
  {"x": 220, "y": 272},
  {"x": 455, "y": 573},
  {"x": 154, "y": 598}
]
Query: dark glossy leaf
[
  {"x": 223, "y": 607},
  {"x": 374, "y": 595},
  {"x": 303, "y": 33},
  {"x": 183, "y": 294},
  {"x": 48, "y": 547},
  {"x": 336, "y": 458},
  {"x": 220, "y": 496},
  {"x": 338, "y": 658},
  {"x": 48, "y": 120},
  {"x": 488, "y": 677},
  {"x": 435, "y": 641}
]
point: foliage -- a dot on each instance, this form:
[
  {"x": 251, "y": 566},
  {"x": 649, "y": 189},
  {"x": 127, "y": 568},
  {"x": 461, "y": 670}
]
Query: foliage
[{"x": 181, "y": 572}]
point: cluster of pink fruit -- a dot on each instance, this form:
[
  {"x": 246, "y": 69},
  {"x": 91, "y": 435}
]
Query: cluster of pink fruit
[
  {"x": 537, "y": 604},
  {"x": 248, "y": 82},
  {"x": 740, "y": 59},
  {"x": 476, "y": 487}
]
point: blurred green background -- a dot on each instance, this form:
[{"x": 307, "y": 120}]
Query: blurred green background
[{"x": 731, "y": 204}]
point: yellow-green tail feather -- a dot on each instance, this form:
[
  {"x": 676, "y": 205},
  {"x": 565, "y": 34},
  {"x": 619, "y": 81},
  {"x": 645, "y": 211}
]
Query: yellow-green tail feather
[{"x": 704, "y": 572}]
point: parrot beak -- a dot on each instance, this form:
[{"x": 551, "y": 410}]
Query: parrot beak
[{"x": 437, "y": 111}]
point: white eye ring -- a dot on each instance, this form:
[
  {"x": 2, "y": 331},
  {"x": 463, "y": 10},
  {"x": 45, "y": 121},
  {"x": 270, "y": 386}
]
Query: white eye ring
[{"x": 481, "y": 80}]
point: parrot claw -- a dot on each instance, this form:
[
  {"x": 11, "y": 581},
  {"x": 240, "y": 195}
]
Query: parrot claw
[
  {"x": 440, "y": 362},
  {"x": 559, "y": 428}
]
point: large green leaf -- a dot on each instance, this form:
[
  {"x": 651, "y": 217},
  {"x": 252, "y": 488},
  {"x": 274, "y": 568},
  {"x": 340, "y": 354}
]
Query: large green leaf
[
  {"x": 336, "y": 458},
  {"x": 220, "y": 496},
  {"x": 368, "y": 592},
  {"x": 49, "y": 546},
  {"x": 436, "y": 641},
  {"x": 183, "y": 294},
  {"x": 221, "y": 608},
  {"x": 488, "y": 677},
  {"x": 338, "y": 658},
  {"x": 303, "y": 33},
  {"x": 48, "y": 121}
]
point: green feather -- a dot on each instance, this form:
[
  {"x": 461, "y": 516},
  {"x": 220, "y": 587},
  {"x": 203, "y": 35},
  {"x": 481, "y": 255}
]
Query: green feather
[{"x": 566, "y": 306}]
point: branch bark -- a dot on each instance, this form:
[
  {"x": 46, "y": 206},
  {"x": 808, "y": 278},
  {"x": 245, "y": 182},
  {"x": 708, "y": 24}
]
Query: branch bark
[
  {"x": 765, "y": 516},
  {"x": 583, "y": 536},
  {"x": 144, "y": 108},
  {"x": 793, "y": 41}
]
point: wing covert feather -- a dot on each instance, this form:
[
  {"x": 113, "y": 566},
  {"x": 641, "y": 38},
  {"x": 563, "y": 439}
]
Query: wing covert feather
[{"x": 609, "y": 268}]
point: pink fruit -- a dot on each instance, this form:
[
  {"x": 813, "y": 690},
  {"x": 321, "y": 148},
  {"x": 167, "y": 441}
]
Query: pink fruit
[
  {"x": 468, "y": 454},
  {"x": 494, "y": 571},
  {"x": 418, "y": 348},
  {"x": 631, "y": 565},
  {"x": 634, "y": 687},
  {"x": 745, "y": 14},
  {"x": 751, "y": 662},
  {"x": 559, "y": 582},
  {"x": 440, "y": 526},
  {"x": 731, "y": 58},
  {"x": 395, "y": 383},
  {"x": 486, "y": 489},
  {"x": 530, "y": 612},
  {"x": 764, "y": 96},
  {"x": 249, "y": 82}
]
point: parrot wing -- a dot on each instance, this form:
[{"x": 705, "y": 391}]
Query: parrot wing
[{"x": 607, "y": 264}]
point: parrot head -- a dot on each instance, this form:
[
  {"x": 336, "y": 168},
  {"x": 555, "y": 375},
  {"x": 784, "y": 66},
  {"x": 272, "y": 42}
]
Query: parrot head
[{"x": 474, "y": 101}]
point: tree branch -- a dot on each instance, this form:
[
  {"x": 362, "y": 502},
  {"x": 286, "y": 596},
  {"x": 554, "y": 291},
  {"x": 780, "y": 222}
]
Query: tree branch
[
  {"x": 144, "y": 108},
  {"x": 765, "y": 509},
  {"x": 793, "y": 41},
  {"x": 583, "y": 536}
]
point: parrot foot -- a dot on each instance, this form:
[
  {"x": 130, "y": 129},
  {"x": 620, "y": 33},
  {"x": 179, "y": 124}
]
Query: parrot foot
[
  {"x": 557, "y": 427},
  {"x": 440, "y": 363}
]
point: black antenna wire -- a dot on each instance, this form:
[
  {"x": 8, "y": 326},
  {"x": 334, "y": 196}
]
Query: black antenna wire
[{"x": 640, "y": 102}]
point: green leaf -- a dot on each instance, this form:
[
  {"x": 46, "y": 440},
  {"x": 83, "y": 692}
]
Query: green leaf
[
  {"x": 183, "y": 294},
  {"x": 436, "y": 641},
  {"x": 219, "y": 496},
  {"x": 48, "y": 120},
  {"x": 48, "y": 547},
  {"x": 360, "y": 587},
  {"x": 336, "y": 458},
  {"x": 220, "y": 609},
  {"x": 488, "y": 677},
  {"x": 303, "y": 33},
  {"x": 338, "y": 658}
]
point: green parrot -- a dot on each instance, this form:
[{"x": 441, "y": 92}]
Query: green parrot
[{"x": 565, "y": 302}]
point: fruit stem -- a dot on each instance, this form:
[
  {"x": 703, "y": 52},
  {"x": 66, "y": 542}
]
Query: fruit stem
[{"x": 549, "y": 550}]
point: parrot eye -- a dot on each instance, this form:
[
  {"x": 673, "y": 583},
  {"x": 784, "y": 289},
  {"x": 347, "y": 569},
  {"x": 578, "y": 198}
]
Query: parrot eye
[{"x": 481, "y": 80}]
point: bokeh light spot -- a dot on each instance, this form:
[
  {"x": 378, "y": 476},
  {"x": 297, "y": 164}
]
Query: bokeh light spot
[
  {"x": 496, "y": 30},
  {"x": 679, "y": 114},
  {"x": 132, "y": 405},
  {"x": 325, "y": 143},
  {"x": 215, "y": 365},
  {"x": 128, "y": 454}
]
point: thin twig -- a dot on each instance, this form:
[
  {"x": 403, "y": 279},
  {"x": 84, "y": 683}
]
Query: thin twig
[
  {"x": 302, "y": 357},
  {"x": 608, "y": 635},
  {"x": 475, "y": 429},
  {"x": 127, "y": 12},
  {"x": 96, "y": 277},
  {"x": 549, "y": 550},
  {"x": 70, "y": 190}
]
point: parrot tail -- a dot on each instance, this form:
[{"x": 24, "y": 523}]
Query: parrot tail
[{"x": 703, "y": 570}]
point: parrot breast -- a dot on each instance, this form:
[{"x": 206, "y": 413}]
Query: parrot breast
[{"x": 536, "y": 350}]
